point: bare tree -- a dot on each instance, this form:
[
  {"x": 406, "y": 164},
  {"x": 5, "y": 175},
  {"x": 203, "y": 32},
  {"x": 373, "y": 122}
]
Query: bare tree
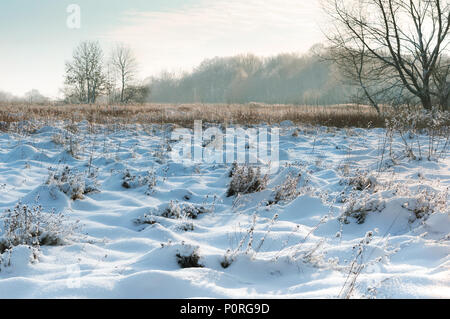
[
  {"x": 396, "y": 43},
  {"x": 124, "y": 63},
  {"x": 84, "y": 74}
]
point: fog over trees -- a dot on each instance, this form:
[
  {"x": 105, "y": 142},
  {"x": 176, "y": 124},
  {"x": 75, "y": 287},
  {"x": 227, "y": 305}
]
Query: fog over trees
[
  {"x": 284, "y": 78},
  {"x": 32, "y": 97},
  {"x": 293, "y": 78}
]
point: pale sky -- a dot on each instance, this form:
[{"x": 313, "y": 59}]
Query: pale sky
[{"x": 171, "y": 35}]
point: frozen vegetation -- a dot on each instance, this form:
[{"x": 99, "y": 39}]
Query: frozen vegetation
[{"x": 104, "y": 212}]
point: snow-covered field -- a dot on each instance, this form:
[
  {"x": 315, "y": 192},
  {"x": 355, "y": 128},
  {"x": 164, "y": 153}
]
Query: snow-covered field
[{"x": 140, "y": 213}]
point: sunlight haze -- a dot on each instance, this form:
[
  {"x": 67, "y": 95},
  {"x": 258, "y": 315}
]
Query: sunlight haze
[{"x": 170, "y": 35}]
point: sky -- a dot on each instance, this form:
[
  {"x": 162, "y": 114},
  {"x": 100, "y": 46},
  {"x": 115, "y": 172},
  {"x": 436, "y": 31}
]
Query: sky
[{"x": 165, "y": 35}]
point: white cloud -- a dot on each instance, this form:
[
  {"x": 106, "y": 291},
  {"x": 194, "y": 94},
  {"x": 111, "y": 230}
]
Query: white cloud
[{"x": 180, "y": 39}]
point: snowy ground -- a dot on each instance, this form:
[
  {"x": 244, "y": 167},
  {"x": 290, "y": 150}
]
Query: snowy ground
[{"x": 300, "y": 247}]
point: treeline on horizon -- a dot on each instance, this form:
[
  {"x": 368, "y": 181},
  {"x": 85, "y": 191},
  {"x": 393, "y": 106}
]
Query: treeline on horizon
[{"x": 286, "y": 78}]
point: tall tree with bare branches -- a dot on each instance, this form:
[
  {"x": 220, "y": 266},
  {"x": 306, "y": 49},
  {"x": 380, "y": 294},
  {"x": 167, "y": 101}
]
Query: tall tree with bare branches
[
  {"x": 84, "y": 74},
  {"x": 124, "y": 63},
  {"x": 398, "y": 44}
]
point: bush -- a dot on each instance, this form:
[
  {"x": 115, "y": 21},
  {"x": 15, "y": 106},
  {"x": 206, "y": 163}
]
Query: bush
[
  {"x": 245, "y": 180},
  {"x": 188, "y": 257},
  {"x": 73, "y": 184},
  {"x": 361, "y": 182},
  {"x": 25, "y": 225},
  {"x": 177, "y": 211},
  {"x": 408, "y": 123},
  {"x": 287, "y": 190},
  {"x": 358, "y": 208},
  {"x": 427, "y": 202},
  {"x": 135, "y": 181}
]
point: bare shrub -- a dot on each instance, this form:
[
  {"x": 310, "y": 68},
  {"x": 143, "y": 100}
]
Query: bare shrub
[
  {"x": 245, "y": 180},
  {"x": 25, "y": 225},
  {"x": 176, "y": 210},
  {"x": 362, "y": 181},
  {"x": 59, "y": 139},
  {"x": 359, "y": 208},
  {"x": 357, "y": 265},
  {"x": 230, "y": 255},
  {"x": 186, "y": 225},
  {"x": 287, "y": 190},
  {"x": 73, "y": 184},
  {"x": 188, "y": 257},
  {"x": 408, "y": 123},
  {"x": 427, "y": 202},
  {"x": 135, "y": 181}
]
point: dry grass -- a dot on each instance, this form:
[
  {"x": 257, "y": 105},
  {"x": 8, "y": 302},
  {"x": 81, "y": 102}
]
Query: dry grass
[{"x": 185, "y": 114}]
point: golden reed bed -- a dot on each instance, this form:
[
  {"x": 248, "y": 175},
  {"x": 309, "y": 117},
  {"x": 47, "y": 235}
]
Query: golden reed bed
[{"x": 185, "y": 114}]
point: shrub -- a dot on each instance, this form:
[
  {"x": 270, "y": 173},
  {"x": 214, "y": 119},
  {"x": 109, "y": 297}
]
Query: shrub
[
  {"x": 361, "y": 182},
  {"x": 245, "y": 180},
  {"x": 188, "y": 257},
  {"x": 287, "y": 190},
  {"x": 25, "y": 225},
  {"x": 358, "y": 208},
  {"x": 408, "y": 123},
  {"x": 427, "y": 202},
  {"x": 176, "y": 210},
  {"x": 135, "y": 181},
  {"x": 186, "y": 225},
  {"x": 73, "y": 184},
  {"x": 147, "y": 219}
]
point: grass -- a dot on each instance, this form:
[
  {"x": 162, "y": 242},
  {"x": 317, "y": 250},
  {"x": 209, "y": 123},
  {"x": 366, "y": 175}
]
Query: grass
[{"x": 185, "y": 114}]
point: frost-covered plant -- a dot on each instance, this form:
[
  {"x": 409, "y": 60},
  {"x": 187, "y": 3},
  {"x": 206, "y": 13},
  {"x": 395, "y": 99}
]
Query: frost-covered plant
[
  {"x": 362, "y": 181},
  {"x": 263, "y": 239},
  {"x": 25, "y": 225},
  {"x": 408, "y": 123},
  {"x": 18, "y": 256},
  {"x": 188, "y": 256},
  {"x": 185, "y": 225},
  {"x": 427, "y": 202},
  {"x": 150, "y": 182},
  {"x": 161, "y": 153},
  {"x": 135, "y": 181},
  {"x": 176, "y": 210},
  {"x": 230, "y": 255},
  {"x": 359, "y": 206},
  {"x": 357, "y": 265},
  {"x": 71, "y": 145},
  {"x": 287, "y": 190},
  {"x": 147, "y": 219},
  {"x": 73, "y": 184},
  {"x": 59, "y": 139},
  {"x": 245, "y": 180},
  {"x": 299, "y": 252}
]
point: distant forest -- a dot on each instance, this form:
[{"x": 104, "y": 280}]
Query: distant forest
[
  {"x": 281, "y": 79},
  {"x": 288, "y": 78}
]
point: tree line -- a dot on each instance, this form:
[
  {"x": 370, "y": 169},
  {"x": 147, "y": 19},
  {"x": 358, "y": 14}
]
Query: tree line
[
  {"x": 379, "y": 52},
  {"x": 281, "y": 79}
]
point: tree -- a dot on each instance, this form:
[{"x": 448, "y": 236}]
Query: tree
[
  {"x": 84, "y": 74},
  {"x": 124, "y": 63},
  {"x": 393, "y": 46}
]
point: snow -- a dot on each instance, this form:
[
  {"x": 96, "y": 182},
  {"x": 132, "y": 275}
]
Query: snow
[{"x": 298, "y": 248}]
